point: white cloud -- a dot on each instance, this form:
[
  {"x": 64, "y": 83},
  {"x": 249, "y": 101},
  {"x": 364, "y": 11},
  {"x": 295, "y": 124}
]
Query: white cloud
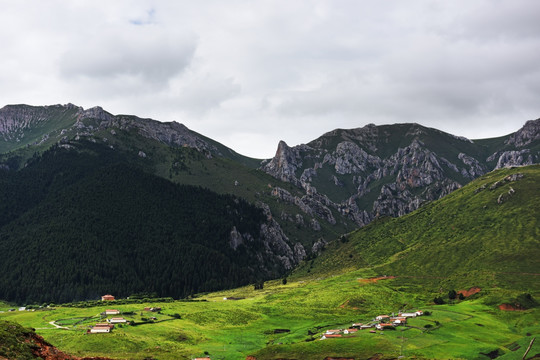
[{"x": 249, "y": 73}]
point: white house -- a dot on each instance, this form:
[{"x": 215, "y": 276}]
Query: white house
[
  {"x": 408, "y": 314},
  {"x": 382, "y": 317},
  {"x": 116, "y": 320},
  {"x": 112, "y": 312},
  {"x": 100, "y": 329},
  {"x": 399, "y": 320}
]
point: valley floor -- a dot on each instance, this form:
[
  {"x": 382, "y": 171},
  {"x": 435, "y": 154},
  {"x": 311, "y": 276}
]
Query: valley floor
[{"x": 287, "y": 322}]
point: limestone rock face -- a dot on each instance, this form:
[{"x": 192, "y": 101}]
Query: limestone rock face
[
  {"x": 284, "y": 164},
  {"x": 529, "y": 133},
  {"x": 516, "y": 158},
  {"x": 392, "y": 170},
  {"x": 277, "y": 246}
]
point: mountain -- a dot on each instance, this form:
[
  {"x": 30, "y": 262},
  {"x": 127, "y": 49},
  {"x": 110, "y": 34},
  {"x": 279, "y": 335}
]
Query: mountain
[
  {"x": 392, "y": 170},
  {"x": 484, "y": 234},
  {"x": 76, "y": 223},
  {"x": 482, "y": 241},
  {"x": 168, "y": 150},
  {"x": 269, "y": 215}
]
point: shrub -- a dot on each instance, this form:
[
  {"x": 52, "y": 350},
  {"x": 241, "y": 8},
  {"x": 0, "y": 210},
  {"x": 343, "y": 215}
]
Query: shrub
[{"x": 438, "y": 300}]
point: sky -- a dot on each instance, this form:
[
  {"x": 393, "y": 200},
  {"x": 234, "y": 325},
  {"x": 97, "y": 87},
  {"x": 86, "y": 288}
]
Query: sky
[{"x": 251, "y": 73}]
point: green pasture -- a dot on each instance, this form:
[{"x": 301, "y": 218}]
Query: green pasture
[{"x": 287, "y": 321}]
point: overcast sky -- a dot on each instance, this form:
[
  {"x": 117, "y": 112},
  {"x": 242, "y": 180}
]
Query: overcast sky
[{"x": 251, "y": 73}]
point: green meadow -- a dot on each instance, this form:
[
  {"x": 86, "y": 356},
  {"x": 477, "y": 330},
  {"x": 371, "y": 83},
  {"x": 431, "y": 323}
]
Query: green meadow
[
  {"x": 287, "y": 322},
  {"x": 468, "y": 239}
]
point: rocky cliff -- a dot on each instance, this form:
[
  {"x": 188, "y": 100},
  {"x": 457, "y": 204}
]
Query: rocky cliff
[
  {"x": 342, "y": 178},
  {"x": 24, "y": 125},
  {"x": 390, "y": 170}
]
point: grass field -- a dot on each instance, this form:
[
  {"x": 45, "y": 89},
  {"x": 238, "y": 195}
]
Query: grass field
[
  {"x": 465, "y": 240},
  {"x": 286, "y": 321}
]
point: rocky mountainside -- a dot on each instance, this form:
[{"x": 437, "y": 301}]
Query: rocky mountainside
[
  {"x": 174, "y": 152},
  {"x": 391, "y": 170},
  {"x": 314, "y": 192},
  {"x": 24, "y": 125}
]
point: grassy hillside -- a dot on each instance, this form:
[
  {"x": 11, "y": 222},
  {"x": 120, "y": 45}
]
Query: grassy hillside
[
  {"x": 445, "y": 246},
  {"x": 287, "y": 321},
  {"x": 463, "y": 239}
]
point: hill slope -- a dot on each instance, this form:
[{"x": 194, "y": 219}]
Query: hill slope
[
  {"x": 487, "y": 233},
  {"x": 391, "y": 170},
  {"x": 479, "y": 236},
  {"x": 169, "y": 150},
  {"x": 77, "y": 223}
]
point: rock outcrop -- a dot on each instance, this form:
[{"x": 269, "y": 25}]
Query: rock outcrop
[{"x": 388, "y": 170}]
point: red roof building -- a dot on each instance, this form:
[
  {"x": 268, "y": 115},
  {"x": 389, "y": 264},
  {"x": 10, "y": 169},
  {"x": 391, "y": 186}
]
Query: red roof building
[{"x": 107, "y": 297}]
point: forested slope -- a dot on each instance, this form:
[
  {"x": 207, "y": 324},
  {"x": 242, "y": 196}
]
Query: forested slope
[{"x": 77, "y": 224}]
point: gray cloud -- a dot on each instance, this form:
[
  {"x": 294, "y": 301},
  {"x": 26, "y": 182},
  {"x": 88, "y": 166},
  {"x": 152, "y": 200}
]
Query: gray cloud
[{"x": 249, "y": 73}]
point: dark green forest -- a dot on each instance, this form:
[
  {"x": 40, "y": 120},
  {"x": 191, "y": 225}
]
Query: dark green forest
[{"x": 78, "y": 223}]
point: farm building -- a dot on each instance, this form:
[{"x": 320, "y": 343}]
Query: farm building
[
  {"x": 117, "y": 320},
  {"x": 101, "y": 328},
  {"x": 112, "y": 312},
  {"x": 412, "y": 314},
  {"x": 107, "y": 297},
  {"x": 382, "y": 326},
  {"x": 398, "y": 320}
]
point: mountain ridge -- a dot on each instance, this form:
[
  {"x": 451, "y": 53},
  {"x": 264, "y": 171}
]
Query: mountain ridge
[
  {"x": 390, "y": 170},
  {"x": 314, "y": 192}
]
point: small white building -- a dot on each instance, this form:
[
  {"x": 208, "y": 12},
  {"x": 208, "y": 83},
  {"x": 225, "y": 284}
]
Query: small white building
[
  {"x": 112, "y": 312},
  {"x": 117, "y": 320},
  {"x": 382, "y": 317},
  {"x": 100, "y": 329},
  {"x": 413, "y": 314}
]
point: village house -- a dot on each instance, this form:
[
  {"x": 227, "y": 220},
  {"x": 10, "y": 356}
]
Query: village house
[
  {"x": 336, "y": 331},
  {"x": 412, "y": 314},
  {"x": 328, "y": 336},
  {"x": 350, "y": 331},
  {"x": 101, "y": 328},
  {"x": 398, "y": 320},
  {"x": 117, "y": 320},
  {"x": 362, "y": 326},
  {"x": 112, "y": 312},
  {"x": 382, "y": 317},
  {"x": 383, "y": 325},
  {"x": 107, "y": 297},
  {"x": 96, "y": 330}
]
